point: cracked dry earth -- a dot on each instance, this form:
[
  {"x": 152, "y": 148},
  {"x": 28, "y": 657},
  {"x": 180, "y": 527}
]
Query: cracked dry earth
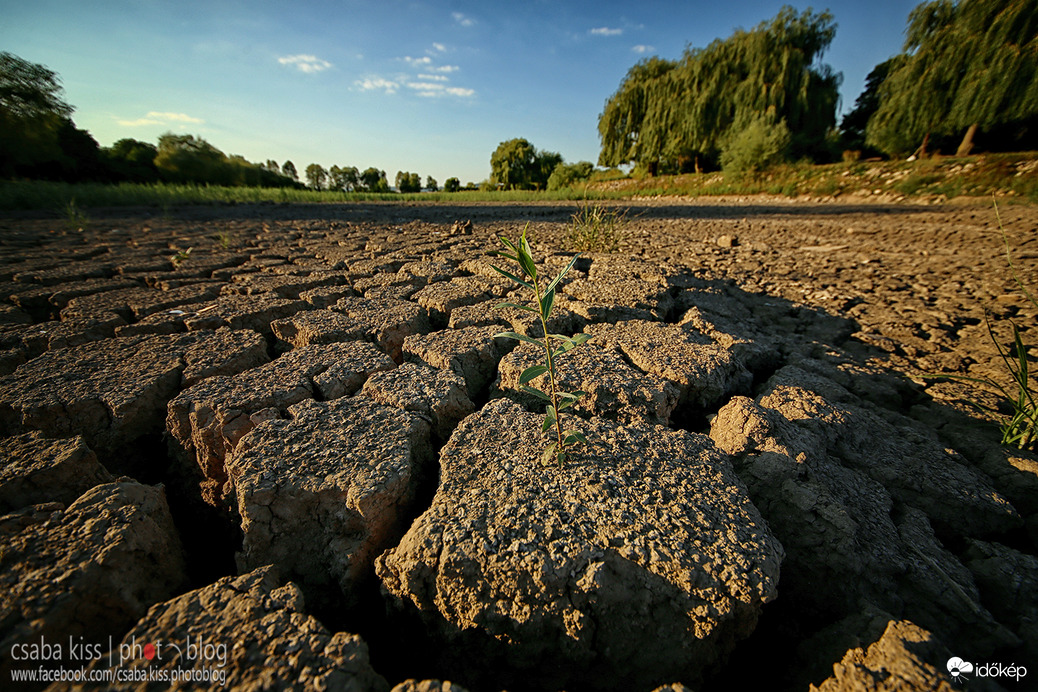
[{"x": 303, "y": 445}]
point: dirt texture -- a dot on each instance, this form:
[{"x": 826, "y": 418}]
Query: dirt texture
[{"x": 778, "y": 490}]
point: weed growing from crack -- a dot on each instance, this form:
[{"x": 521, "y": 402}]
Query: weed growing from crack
[
  {"x": 180, "y": 257},
  {"x": 554, "y": 345},
  {"x": 596, "y": 228},
  {"x": 75, "y": 218},
  {"x": 1020, "y": 428}
]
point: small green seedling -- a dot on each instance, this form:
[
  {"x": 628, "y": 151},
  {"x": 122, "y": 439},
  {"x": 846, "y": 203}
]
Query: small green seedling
[
  {"x": 554, "y": 345},
  {"x": 1021, "y": 427},
  {"x": 75, "y": 217},
  {"x": 181, "y": 257}
]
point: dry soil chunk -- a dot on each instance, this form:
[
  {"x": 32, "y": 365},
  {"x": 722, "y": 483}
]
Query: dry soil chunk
[
  {"x": 282, "y": 286},
  {"x": 35, "y": 470},
  {"x": 471, "y": 353},
  {"x": 89, "y": 571},
  {"x": 224, "y": 352},
  {"x": 440, "y": 298},
  {"x": 641, "y": 561},
  {"x": 243, "y": 312},
  {"x": 134, "y": 303},
  {"x": 111, "y": 392},
  {"x": 317, "y": 327},
  {"x": 703, "y": 370},
  {"x": 206, "y": 421},
  {"x": 614, "y": 390},
  {"x": 390, "y": 321},
  {"x": 323, "y": 494},
  {"x": 845, "y": 539},
  {"x": 904, "y": 658},
  {"x": 438, "y": 396},
  {"x": 260, "y": 637}
]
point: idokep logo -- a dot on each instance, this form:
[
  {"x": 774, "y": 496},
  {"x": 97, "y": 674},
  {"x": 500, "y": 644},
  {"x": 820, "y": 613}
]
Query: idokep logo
[{"x": 961, "y": 670}]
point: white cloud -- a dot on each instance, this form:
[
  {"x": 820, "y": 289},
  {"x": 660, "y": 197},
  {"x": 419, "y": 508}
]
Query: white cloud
[
  {"x": 377, "y": 84},
  {"x": 445, "y": 68},
  {"x": 436, "y": 89},
  {"x": 139, "y": 122},
  {"x": 434, "y": 77},
  {"x": 425, "y": 86},
  {"x": 308, "y": 64},
  {"x": 426, "y": 60},
  {"x": 161, "y": 118},
  {"x": 177, "y": 117},
  {"x": 606, "y": 31},
  {"x": 439, "y": 48},
  {"x": 462, "y": 19},
  {"x": 642, "y": 49}
]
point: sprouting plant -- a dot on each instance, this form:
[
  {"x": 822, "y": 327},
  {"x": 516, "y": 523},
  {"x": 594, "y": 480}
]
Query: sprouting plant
[
  {"x": 180, "y": 257},
  {"x": 224, "y": 239},
  {"x": 75, "y": 217},
  {"x": 554, "y": 345},
  {"x": 1020, "y": 428},
  {"x": 596, "y": 228}
]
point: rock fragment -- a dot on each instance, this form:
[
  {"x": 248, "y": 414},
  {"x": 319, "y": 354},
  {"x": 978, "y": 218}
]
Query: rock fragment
[
  {"x": 258, "y": 635},
  {"x": 648, "y": 569},
  {"x": 88, "y": 571},
  {"x": 390, "y": 321},
  {"x": 438, "y": 396},
  {"x": 206, "y": 421},
  {"x": 902, "y": 659},
  {"x": 35, "y": 470},
  {"x": 614, "y": 390},
  {"x": 704, "y": 371},
  {"x": 471, "y": 353},
  {"x": 323, "y": 494}
]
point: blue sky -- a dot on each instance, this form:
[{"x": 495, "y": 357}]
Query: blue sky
[{"x": 429, "y": 87}]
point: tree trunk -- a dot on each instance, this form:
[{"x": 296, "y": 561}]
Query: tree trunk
[
  {"x": 967, "y": 141},
  {"x": 920, "y": 153}
]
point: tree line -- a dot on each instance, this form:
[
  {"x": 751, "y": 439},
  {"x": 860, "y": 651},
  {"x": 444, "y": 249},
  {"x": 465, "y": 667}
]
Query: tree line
[
  {"x": 39, "y": 140},
  {"x": 967, "y": 76},
  {"x": 762, "y": 96}
]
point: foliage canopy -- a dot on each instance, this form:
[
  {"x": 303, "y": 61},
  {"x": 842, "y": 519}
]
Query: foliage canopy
[
  {"x": 967, "y": 63},
  {"x": 518, "y": 165},
  {"x": 671, "y": 113}
]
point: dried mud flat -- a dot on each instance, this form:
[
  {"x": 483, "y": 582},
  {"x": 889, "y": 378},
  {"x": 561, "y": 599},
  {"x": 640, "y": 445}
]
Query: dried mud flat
[{"x": 301, "y": 447}]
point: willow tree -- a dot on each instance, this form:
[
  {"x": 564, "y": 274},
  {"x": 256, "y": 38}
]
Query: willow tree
[
  {"x": 966, "y": 65},
  {"x": 33, "y": 113},
  {"x": 673, "y": 111}
]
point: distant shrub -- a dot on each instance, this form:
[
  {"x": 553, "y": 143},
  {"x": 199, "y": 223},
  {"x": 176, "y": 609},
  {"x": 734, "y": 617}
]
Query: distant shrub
[
  {"x": 569, "y": 174},
  {"x": 762, "y": 144},
  {"x": 595, "y": 228}
]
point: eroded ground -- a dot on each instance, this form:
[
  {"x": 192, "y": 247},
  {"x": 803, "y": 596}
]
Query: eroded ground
[{"x": 302, "y": 439}]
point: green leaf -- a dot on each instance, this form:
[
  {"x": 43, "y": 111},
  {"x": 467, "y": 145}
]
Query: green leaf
[
  {"x": 566, "y": 404},
  {"x": 511, "y": 246},
  {"x": 513, "y": 277},
  {"x": 568, "y": 344},
  {"x": 546, "y": 303},
  {"x": 532, "y": 372},
  {"x": 548, "y": 422},
  {"x": 534, "y": 392},
  {"x": 572, "y": 395},
  {"x": 519, "y": 337},
  {"x": 514, "y": 305},
  {"x": 557, "y": 279},
  {"x": 549, "y": 456},
  {"x": 526, "y": 262},
  {"x": 574, "y": 436}
]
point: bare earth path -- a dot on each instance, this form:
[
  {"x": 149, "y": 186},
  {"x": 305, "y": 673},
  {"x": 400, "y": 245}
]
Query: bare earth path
[{"x": 350, "y": 491}]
